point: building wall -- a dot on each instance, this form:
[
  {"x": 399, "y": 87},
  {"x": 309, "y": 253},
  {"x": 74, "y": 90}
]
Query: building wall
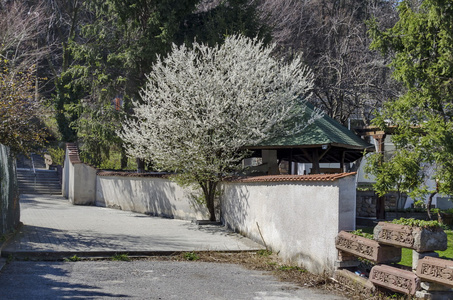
[{"x": 300, "y": 220}]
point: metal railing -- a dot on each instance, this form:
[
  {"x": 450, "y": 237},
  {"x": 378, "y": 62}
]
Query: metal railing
[{"x": 34, "y": 171}]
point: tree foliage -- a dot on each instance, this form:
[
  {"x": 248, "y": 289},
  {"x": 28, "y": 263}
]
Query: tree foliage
[
  {"x": 20, "y": 128},
  {"x": 113, "y": 45},
  {"x": 214, "y": 20},
  {"x": 116, "y": 44},
  {"x": 420, "y": 46},
  {"x": 202, "y": 104},
  {"x": 20, "y": 28}
]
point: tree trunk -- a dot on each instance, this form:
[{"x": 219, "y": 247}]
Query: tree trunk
[
  {"x": 123, "y": 158},
  {"x": 428, "y": 205},
  {"x": 209, "y": 189},
  {"x": 140, "y": 165}
]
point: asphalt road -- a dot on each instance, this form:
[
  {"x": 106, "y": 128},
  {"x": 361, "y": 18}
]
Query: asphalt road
[{"x": 144, "y": 280}]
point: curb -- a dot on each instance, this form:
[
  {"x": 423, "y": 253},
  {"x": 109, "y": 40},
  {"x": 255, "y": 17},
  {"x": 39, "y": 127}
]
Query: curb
[
  {"x": 58, "y": 256},
  {"x": 6, "y": 242},
  {"x": 2, "y": 263}
]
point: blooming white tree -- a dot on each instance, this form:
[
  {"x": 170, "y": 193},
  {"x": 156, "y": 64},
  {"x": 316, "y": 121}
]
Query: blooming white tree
[{"x": 202, "y": 105}]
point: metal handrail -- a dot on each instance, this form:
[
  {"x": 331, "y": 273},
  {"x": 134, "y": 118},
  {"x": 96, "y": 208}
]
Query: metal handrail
[{"x": 33, "y": 168}]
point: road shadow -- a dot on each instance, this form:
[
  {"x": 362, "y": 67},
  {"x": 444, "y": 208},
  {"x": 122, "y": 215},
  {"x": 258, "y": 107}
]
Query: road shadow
[{"x": 46, "y": 280}]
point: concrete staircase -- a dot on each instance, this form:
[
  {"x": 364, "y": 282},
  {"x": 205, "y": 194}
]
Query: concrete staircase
[{"x": 33, "y": 178}]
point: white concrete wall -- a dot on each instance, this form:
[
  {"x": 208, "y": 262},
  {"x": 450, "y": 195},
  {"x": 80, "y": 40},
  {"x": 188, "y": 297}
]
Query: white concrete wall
[
  {"x": 347, "y": 203},
  {"x": 297, "y": 219},
  {"x": 65, "y": 177},
  {"x": 150, "y": 195},
  {"x": 300, "y": 220},
  {"x": 83, "y": 184},
  {"x": 78, "y": 182}
]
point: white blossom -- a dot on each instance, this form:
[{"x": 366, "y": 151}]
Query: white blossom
[{"x": 201, "y": 105}]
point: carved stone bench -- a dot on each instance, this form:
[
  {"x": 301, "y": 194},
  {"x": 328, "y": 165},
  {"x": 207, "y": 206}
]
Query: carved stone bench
[
  {"x": 353, "y": 281},
  {"x": 436, "y": 270},
  {"x": 366, "y": 248},
  {"x": 395, "y": 279}
]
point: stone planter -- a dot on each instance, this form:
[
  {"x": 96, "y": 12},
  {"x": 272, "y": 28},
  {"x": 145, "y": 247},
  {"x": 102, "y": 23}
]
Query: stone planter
[
  {"x": 366, "y": 248},
  {"x": 416, "y": 238}
]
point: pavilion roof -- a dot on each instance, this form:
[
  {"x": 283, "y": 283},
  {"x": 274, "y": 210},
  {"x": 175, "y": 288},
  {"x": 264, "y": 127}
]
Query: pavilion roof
[{"x": 324, "y": 131}]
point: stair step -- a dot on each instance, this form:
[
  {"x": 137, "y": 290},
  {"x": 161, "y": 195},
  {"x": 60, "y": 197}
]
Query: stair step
[
  {"x": 40, "y": 192},
  {"x": 40, "y": 189},
  {"x": 31, "y": 179},
  {"x": 38, "y": 180},
  {"x": 43, "y": 182}
]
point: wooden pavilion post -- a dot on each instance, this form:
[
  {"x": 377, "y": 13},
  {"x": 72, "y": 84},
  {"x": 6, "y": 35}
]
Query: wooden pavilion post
[
  {"x": 380, "y": 201},
  {"x": 315, "y": 162}
]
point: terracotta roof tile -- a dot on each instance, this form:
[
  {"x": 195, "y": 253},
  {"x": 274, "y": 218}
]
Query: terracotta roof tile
[{"x": 279, "y": 178}]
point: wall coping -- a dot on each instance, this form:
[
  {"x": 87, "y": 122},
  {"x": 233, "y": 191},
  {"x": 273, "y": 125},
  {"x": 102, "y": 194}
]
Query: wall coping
[
  {"x": 132, "y": 174},
  {"x": 269, "y": 178},
  {"x": 282, "y": 178}
]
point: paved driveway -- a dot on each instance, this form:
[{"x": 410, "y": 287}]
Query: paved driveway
[
  {"x": 53, "y": 226},
  {"x": 145, "y": 280}
]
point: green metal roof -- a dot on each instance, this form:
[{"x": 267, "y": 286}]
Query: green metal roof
[{"x": 324, "y": 131}]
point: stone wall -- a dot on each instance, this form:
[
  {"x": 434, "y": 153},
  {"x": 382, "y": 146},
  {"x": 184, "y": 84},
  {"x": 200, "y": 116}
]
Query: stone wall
[
  {"x": 9, "y": 196},
  {"x": 366, "y": 203}
]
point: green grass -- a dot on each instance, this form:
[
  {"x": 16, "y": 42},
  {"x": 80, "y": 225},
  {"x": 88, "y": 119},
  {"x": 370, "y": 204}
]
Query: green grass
[
  {"x": 264, "y": 252},
  {"x": 448, "y": 254},
  {"x": 291, "y": 268},
  {"x": 121, "y": 257},
  {"x": 72, "y": 259},
  {"x": 406, "y": 257},
  {"x": 191, "y": 256}
]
